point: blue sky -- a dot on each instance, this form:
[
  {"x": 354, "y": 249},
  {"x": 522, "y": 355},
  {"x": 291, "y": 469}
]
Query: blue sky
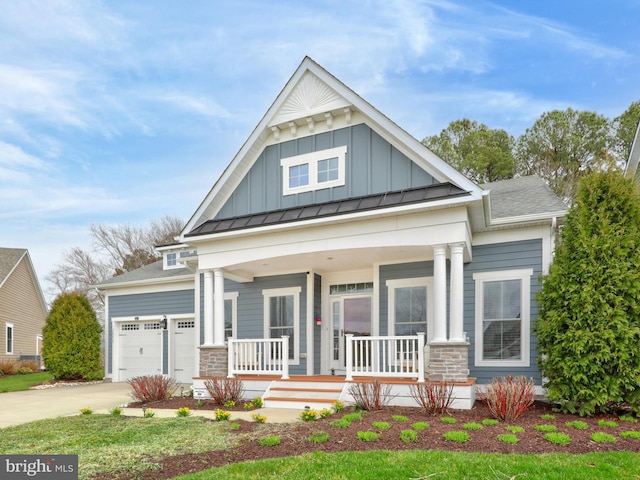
[{"x": 121, "y": 112}]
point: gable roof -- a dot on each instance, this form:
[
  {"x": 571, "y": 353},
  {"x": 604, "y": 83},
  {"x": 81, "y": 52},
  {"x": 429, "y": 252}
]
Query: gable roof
[
  {"x": 312, "y": 94},
  {"x": 10, "y": 258},
  {"x": 152, "y": 273}
]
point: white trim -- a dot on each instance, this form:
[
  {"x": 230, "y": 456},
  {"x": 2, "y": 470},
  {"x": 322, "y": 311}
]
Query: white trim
[
  {"x": 7, "y": 327},
  {"x": 312, "y": 159},
  {"x": 233, "y": 296},
  {"x": 172, "y": 321},
  {"x": 524, "y": 275},
  {"x": 282, "y": 292},
  {"x": 151, "y": 285},
  {"x": 310, "y": 323},
  {"x": 427, "y": 283}
]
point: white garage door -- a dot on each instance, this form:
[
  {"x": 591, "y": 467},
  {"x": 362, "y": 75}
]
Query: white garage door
[
  {"x": 184, "y": 350},
  {"x": 140, "y": 346}
]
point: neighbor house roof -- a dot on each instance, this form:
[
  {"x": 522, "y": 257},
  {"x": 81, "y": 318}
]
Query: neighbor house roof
[
  {"x": 523, "y": 197},
  {"x": 153, "y": 271},
  {"x": 9, "y": 260}
]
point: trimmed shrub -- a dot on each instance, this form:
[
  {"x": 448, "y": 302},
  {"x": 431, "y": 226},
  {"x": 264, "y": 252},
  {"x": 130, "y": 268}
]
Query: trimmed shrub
[
  {"x": 588, "y": 328},
  {"x": 71, "y": 339},
  {"x": 508, "y": 398}
]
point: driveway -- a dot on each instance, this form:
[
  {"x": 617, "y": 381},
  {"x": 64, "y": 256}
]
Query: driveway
[{"x": 30, "y": 405}]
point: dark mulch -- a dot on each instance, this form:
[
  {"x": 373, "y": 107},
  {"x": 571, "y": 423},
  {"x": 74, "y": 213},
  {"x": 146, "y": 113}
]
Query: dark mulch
[{"x": 294, "y": 438}]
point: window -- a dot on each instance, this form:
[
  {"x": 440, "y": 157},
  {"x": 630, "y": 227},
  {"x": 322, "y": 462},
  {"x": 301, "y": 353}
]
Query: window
[
  {"x": 171, "y": 259},
  {"x": 9, "y": 337},
  {"x": 282, "y": 316},
  {"x": 410, "y": 305},
  {"x": 314, "y": 171},
  {"x": 230, "y": 315},
  {"x": 502, "y": 317}
]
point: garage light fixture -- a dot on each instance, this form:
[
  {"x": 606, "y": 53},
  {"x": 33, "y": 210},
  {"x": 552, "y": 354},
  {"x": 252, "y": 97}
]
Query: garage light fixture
[{"x": 163, "y": 322}]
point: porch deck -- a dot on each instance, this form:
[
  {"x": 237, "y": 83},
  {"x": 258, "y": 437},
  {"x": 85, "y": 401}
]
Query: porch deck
[{"x": 320, "y": 391}]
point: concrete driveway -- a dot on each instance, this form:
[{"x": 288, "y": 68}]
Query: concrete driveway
[{"x": 22, "y": 407}]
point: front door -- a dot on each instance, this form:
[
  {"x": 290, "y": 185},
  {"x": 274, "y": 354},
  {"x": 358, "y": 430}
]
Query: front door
[{"x": 349, "y": 314}]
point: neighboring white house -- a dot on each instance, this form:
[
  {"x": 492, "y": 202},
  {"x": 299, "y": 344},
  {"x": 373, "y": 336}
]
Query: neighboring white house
[{"x": 334, "y": 227}]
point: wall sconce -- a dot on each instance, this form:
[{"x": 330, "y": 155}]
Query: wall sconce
[{"x": 163, "y": 322}]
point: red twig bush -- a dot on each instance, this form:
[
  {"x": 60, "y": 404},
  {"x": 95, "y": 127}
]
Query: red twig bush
[
  {"x": 223, "y": 389},
  {"x": 434, "y": 397},
  {"x": 151, "y": 388},
  {"x": 371, "y": 395},
  {"x": 507, "y": 398}
]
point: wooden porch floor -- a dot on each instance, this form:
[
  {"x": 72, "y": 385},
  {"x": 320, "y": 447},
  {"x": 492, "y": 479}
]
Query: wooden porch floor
[{"x": 342, "y": 378}]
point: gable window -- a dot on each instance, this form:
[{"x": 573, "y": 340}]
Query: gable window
[
  {"x": 173, "y": 259},
  {"x": 9, "y": 337},
  {"x": 282, "y": 316},
  {"x": 313, "y": 171},
  {"x": 502, "y": 317}
]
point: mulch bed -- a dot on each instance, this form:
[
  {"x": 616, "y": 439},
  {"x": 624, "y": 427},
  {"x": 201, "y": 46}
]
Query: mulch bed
[{"x": 294, "y": 438}]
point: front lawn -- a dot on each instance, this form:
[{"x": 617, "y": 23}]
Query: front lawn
[{"x": 17, "y": 383}]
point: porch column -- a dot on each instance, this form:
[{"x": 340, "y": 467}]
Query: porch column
[
  {"x": 218, "y": 307},
  {"x": 439, "y": 294},
  {"x": 456, "y": 291},
  {"x": 208, "y": 307}
]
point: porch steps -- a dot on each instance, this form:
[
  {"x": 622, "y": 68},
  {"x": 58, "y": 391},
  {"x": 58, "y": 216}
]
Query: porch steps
[{"x": 301, "y": 395}]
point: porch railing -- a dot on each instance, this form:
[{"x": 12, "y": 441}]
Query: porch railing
[
  {"x": 394, "y": 356},
  {"x": 259, "y": 356}
]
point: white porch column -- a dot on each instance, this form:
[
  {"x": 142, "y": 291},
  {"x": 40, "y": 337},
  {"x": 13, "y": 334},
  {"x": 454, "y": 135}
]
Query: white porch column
[
  {"x": 218, "y": 307},
  {"x": 456, "y": 291},
  {"x": 439, "y": 294},
  {"x": 208, "y": 307}
]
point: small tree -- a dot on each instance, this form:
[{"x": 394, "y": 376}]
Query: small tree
[
  {"x": 71, "y": 339},
  {"x": 589, "y": 322}
]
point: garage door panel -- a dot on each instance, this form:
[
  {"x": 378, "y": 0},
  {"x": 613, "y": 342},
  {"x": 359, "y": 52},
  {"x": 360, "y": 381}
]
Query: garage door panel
[
  {"x": 140, "y": 347},
  {"x": 184, "y": 350}
]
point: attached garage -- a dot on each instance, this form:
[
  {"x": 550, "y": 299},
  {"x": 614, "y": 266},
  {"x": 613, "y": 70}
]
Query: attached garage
[
  {"x": 140, "y": 349},
  {"x": 183, "y": 347}
]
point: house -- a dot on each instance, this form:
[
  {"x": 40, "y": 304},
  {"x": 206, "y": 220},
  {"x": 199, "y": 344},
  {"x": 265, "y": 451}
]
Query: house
[
  {"x": 631, "y": 169},
  {"x": 23, "y": 310},
  {"x": 335, "y": 246}
]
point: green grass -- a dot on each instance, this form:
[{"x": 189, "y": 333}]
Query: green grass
[
  {"x": 382, "y": 465},
  {"x": 509, "y": 438},
  {"x": 515, "y": 429},
  {"x": 457, "y": 436},
  {"x": 472, "y": 426},
  {"x": 18, "y": 383},
  {"x": 558, "y": 438},
  {"x": 577, "y": 424},
  {"x": 107, "y": 443},
  {"x": 490, "y": 422}
]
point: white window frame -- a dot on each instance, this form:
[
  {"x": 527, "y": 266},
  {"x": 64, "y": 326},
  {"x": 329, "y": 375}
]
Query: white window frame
[
  {"x": 312, "y": 159},
  {"x": 9, "y": 326},
  {"x": 179, "y": 255},
  {"x": 233, "y": 296},
  {"x": 524, "y": 275},
  {"x": 426, "y": 282},
  {"x": 282, "y": 292}
]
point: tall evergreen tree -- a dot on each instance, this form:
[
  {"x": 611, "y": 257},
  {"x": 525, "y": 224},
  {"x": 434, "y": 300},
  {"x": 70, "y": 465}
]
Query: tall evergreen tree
[{"x": 588, "y": 328}]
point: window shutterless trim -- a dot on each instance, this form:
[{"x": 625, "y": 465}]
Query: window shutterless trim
[{"x": 312, "y": 159}]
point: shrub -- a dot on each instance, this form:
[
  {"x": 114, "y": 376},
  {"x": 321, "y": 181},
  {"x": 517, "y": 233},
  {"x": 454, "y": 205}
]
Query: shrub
[
  {"x": 381, "y": 425},
  {"x": 7, "y": 367},
  {"x": 223, "y": 389},
  {"x": 558, "y": 438},
  {"x": 341, "y": 423},
  {"x": 607, "y": 423},
  {"x": 371, "y": 395},
  {"x": 318, "y": 437},
  {"x": 434, "y": 397},
  {"x": 472, "y": 426},
  {"x": 515, "y": 429},
  {"x": 400, "y": 418},
  {"x": 368, "y": 436},
  {"x": 116, "y": 411},
  {"x": 588, "y": 329},
  {"x": 408, "y": 436},
  {"x": 23, "y": 371},
  {"x": 309, "y": 415},
  {"x": 30, "y": 364},
  {"x": 448, "y": 420},
  {"x": 508, "y": 398},
  {"x": 577, "y": 424},
  {"x": 630, "y": 434},
  {"x": 456, "y": 436},
  {"x": 151, "y": 388},
  {"x": 508, "y": 438},
  {"x": 546, "y": 428},
  {"x": 420, "y": 426},
  {"x": 271, "y": 441},
  {"x": 221, "y": 415},
  {"x": 600, "y": 437},
  {"x": 490, "y": 422},
  {"x": 71, "y": 339}
]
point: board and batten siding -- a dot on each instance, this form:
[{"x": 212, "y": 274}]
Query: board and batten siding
[
  {"x": 251, "y": 309},
  {"x": 150, "y": 304},
  {"x": 20, "y": 306},
  {"x": 492, "y": 258},
  {"x": 373, "y": 166}
]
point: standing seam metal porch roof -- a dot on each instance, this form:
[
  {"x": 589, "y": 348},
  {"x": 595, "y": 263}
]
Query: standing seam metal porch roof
[{"x": 334, "y": 208}]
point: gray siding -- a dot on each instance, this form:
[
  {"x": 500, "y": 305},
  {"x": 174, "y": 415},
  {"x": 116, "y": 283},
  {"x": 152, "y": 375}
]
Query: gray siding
[
  {"x": 142, "y": 304},
  {"x": 373, "y": 166},
  {"x": 491, "y": 258}
]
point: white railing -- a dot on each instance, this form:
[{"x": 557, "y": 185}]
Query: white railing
[
  {"x": 259, "y": 356},
  {"x": 399, "y": 356}
]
